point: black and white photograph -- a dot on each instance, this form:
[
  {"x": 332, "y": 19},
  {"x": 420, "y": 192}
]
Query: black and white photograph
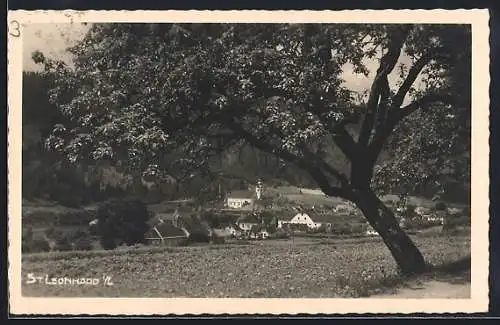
[{"x": 247, "y": 160}]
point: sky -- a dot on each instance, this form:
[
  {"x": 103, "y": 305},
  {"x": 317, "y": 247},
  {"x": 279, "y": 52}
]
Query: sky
[
  {"x": 54, "y": 39},
  {"x": 51, "y": 39}
]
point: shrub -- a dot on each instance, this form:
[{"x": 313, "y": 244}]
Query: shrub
[
  {"x": 218, "y": 240},
  {"x": 199, "y": 236},
  {"x": 322, "y": 228},
  {"x": 440, "y": 206},
  {"x": 108, "y": 242},
  {"x": 343, "y": 229},
  {"x": 122, "y": 221}
]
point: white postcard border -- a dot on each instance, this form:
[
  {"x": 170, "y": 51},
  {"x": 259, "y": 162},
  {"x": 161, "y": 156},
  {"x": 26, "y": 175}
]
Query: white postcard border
[{"x": 144, "y": 306}]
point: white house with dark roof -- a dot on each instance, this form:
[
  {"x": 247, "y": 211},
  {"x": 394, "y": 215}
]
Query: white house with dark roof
[
  {"x": 246, "y": 223},
  {"x": 310, "y": 219},
  {"x": 239, "y": 199},
  {"x": 165, "y": 233}
]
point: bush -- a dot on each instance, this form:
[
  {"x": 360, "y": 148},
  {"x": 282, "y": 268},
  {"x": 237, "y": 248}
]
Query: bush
[
  {"x": 321, "y": 229},
  {"x": 343, "y": 229},
  {"x": 218, "y": 240},
  {"x": 199, "y": 236},
  {"x": 122, "y": 221},
  {"x": 440, "y": 206}
]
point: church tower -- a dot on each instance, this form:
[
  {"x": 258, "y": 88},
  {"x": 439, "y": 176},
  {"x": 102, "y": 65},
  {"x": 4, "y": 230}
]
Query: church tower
[{"x": 259, "y": 189}]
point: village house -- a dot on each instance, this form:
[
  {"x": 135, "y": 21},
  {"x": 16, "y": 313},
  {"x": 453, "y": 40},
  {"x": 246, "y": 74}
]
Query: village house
[
  {"x": 234, "y": 230},
  {"x": 310, "y": 219},
  {"x": 165, "y": 233},
  {"x": 370, "y": 231},
  {"x": 240, "y": 199},
  {"x": 427, "y": 215},
  {"x": 244, "y": 198},
  {"x": 246, "y": 223}
]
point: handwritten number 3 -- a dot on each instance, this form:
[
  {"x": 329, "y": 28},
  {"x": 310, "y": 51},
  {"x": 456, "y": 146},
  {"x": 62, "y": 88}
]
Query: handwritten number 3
[{"x": 14, "y": 30}]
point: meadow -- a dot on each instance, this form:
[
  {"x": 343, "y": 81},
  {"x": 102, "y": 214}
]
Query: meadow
[{"x": 305, "y": 267}]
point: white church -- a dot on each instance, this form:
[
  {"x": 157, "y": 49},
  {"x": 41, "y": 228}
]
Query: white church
[{"x": 244, "y": 198}]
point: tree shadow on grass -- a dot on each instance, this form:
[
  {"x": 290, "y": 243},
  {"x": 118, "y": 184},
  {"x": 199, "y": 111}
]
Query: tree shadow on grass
[{"x": 456, "y": 272}]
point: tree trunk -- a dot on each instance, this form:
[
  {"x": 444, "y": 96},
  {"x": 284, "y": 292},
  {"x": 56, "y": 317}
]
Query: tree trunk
[{"x": 381, "y": 218}]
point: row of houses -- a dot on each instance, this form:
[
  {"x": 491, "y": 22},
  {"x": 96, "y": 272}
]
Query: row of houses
[{"x": 168, "y": 228}]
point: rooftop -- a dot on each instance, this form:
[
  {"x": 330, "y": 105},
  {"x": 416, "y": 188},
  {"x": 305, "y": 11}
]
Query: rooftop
[
  {"x": 315, "y": 216},
  {"x": 166, "y": 229}
]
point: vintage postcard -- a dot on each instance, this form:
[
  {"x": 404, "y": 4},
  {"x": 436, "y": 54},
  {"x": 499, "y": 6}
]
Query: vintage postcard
[{"x": 248, "y": 162}]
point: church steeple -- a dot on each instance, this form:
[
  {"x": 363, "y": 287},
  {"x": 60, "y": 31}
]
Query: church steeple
[{"x": 259, "y": 189}]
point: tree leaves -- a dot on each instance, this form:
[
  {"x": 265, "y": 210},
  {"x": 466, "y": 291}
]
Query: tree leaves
[{"x": 140, "y": 91}]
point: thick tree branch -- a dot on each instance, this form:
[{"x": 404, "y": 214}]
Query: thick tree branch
[
  {"x": 423, "y": 103},
  {"x": 413, "y": 74},
  {"x": 325, "y": 186},
  {"x": 345, "y": 142},
  {"x": 387, "y": 64},
  {"x": 385, "y": 92},
  {"x": 410, "y": 79},
  {"x": 395, "y": 116},
  {"x": 304, "y": 164},
  {"x": 341, "y": 137},
  {"x": 318, "y": 161},
  {"x": 327, "y": 167}
]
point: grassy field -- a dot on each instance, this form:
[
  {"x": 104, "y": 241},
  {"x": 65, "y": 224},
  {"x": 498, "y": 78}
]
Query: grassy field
[{"x": 306, "y": 267}]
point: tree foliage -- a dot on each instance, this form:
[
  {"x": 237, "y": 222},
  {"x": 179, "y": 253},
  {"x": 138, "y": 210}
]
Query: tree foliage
[
  {"x": 122, "y": 221},
  {"x": 140, "y": 90}
]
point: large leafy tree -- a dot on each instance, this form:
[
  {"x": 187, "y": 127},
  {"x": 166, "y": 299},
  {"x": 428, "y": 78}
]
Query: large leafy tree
[{"x": 139, "y": 91}]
